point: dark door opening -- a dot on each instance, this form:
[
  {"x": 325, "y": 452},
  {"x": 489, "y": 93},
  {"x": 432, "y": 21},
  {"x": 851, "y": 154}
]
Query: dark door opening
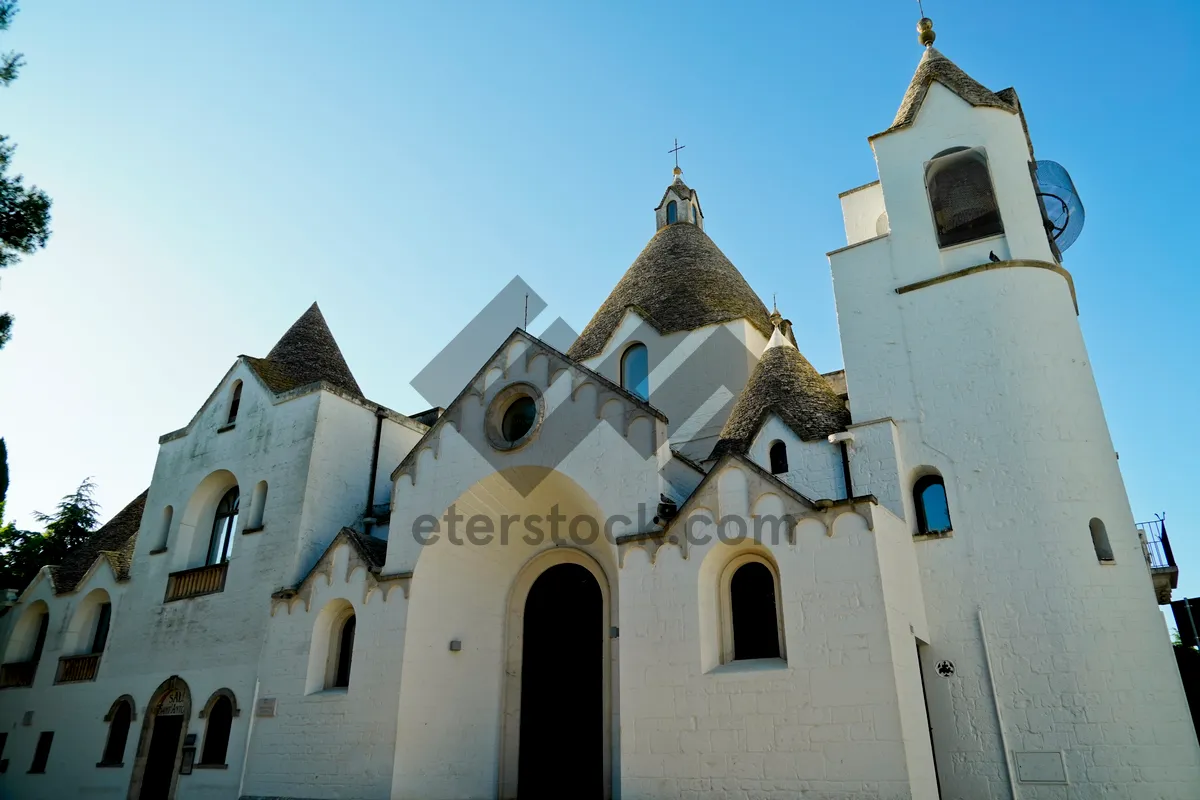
[
  {"x": 160, "y": 760},
  {"x": 562, "y": 687},
  {"x": 925, "y": 697}
]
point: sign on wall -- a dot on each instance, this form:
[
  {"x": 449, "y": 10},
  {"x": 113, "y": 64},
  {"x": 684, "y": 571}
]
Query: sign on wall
[{"x": 173, "y": 704}]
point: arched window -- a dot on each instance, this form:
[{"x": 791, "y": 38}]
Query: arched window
[
  {"x": 1100, "y": 541},
  {"x": 258, "y": 502},
  {"x": 216, "y": 733},
  {"x": 224, "y": 524},
  {"x": 164, "y": 530},
  {"x": 961, "y": 196},
  {"x": 933, "y": 511},
  {"x": 779, "y": 464},
  {"x": 235, "y": 401},
  {"x": 693, "y": 214},
  {"x": 672, "y": 212},
  {"x": 119, "y": 718},
  {"x": 39, "y": 643},
  {"x": 345, "y": 654},
  {"x": 754, "y": 614},
  {"x": 635, "y": 371},
  {"x": 100, "y": 632}
]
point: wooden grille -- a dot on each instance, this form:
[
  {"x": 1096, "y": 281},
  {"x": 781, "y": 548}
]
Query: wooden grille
[
  {"x": 208, "y": 579},
  {"x": 75, "y": 669}
]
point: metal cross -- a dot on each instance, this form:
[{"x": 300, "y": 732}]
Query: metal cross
[{"x": 676, "y": 150}]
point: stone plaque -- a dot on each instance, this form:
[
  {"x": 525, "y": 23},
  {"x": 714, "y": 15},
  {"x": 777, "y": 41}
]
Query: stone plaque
[
  {"x": 1041, "y": 767},
  {"x": 172, "y": 704},
  {"x": 265, "y": 707}
]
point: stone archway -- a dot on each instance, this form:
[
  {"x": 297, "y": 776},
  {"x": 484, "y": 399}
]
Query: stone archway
[
  {"x": 559, "y": 666},
  {"x": 160, "y": 748}
]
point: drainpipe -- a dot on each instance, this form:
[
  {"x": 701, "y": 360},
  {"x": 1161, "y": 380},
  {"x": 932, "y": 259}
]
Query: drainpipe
[
  {"x": 249, "y": 733},
  {"x": 369, "y": 514},
  {"x": 844, "y": 439}
]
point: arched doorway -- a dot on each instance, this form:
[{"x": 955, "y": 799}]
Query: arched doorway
[
  {"x": 562, "y": 687},
  {"x": 156, "y": 769}
]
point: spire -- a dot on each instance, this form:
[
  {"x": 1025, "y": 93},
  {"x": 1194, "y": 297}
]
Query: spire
[
  {"x": 679, "y": 203},
  {"x": 307, "y": 353},
  {"x": 935, "y": 67}
]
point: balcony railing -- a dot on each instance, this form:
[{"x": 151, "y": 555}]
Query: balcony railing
[
  {"x": 77, "y": 669},
  {"x": 18, "y": 673},
  {"x": 196, "y": 582},
  {"x": 1157, "y": 548}
]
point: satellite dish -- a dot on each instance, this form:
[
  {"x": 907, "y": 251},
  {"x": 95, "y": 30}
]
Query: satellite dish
[{"x": 1062, "y": 209}]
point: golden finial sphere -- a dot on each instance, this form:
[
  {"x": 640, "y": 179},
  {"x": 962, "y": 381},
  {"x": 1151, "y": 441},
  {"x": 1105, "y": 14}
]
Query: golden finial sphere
[
  {"x": 678, "y": 171},
  {"x": 925, "y": 34}
]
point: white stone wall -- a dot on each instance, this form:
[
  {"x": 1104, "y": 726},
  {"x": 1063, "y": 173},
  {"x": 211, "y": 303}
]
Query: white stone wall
[
  {"x": 988, "y": 382},
  {"x": 330, "y": 743},
  {"x": 826, "y": 722}
]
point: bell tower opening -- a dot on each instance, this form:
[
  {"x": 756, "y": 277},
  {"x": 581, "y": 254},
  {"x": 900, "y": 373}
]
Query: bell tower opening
[{"x": 562, "y": 687}]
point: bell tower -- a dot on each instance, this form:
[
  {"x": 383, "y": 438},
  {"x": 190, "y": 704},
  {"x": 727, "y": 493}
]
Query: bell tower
[{"x": 960, "y": 322}]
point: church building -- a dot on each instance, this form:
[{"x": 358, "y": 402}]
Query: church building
[{"x": 671, "y": 561}]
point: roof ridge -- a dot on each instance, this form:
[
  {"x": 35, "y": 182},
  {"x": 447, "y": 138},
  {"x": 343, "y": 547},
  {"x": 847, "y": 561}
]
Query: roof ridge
[{"x": 936, "y": 67}]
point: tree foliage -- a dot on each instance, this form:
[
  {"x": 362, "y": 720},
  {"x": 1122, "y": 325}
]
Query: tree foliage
[
  {"x": 23, "y": 553},
  {"x": 24, "y": 211}
]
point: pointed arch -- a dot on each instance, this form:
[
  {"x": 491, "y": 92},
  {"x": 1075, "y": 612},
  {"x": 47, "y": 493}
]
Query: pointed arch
[{"x": 171, "y": 702}]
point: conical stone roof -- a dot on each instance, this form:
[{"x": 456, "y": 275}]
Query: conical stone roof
[
  {"x": 935, "y": 67},
  {"x": 681, "y": 281},
  {"x": 783, "y": 383},
  {"x": 307, "y": 353}
]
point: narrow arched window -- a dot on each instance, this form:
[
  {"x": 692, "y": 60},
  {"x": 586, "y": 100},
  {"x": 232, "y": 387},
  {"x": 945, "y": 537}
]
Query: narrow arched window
[
  {"x": 118, "y": 734},
  {"x": 693, "y": 214},
  {"x": 635, "y": 371},
  {"x": 224, "y": 524},
  {"x": 779, "y": 463},
  {"x": 164, "y": 530},
  {"x": 235, "y": 401},
  {"x": 961, "y": 196},
  {"x": 933, "y": 511},
  {"x": 1100, "y": 541},
  {"x": 258, "y": 503},
  {"x": 40, "y": 642},
  {"x": 345, "y": 653},
  {"x": 216, "y": 733},
  {"x": 100, "y": 635},
  {"x": 753, "y": 611},
  {"x": 672, "y": 212}
]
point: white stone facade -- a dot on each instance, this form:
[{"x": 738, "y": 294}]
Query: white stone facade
[{"x": 997, "y": 659}]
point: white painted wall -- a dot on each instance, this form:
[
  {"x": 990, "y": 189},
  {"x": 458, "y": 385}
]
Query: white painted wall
[{"x": 988, "y": 381}]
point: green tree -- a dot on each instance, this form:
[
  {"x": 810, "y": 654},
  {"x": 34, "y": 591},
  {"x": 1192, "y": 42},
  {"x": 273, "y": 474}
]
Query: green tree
[
  {"x": 24, "y": 212},
  {"x": 23, "y": 553}
]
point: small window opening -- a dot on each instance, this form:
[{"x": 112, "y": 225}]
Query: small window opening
[
  {"x": 754, "y": 613},
  {"x": 635, "y": 371},
  {"x": 224, "y": 524},
  {"x": 42, "y": 753},
  {"x": 235, "y": 401},
  {"x": 518, "y": 419},
  {"x": 345, "y": 653},
  {"x": 961, "y": 196},
  {"x": 164, "y": 530},
  {"x": 1100, "y": 541},
  {"x": 40, "y": 642},
  {"x": 933, "y": 511},
  {"x": 779, "y": 462},
  {"x": 693, "y": 214},
  {"x": 672, "y": 212},
  {"x": 103, "y": 619},
  {"x": 118, "y": 735},
  {"x": 216, "y": 734},
  {"x": 258, "y": 503}
]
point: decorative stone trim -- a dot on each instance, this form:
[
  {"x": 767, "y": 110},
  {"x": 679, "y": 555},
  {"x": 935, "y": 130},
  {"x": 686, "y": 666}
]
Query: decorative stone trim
[
  {"x": 256, "y": 529},
  {"x": 1018, "y": 262}
]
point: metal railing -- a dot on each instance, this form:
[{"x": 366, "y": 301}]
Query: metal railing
[
  {"x": 195, "y": 582},
  {"x": 1158, "y": 546},
  {"x": 18, "y": 673},
  {"x": 77, "y": 669}
]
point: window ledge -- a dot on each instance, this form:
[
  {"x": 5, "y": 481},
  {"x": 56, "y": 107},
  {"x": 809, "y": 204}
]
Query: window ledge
[
  {"x": 256, "y": 529},
  {"x": 36, "y": 772},
  {"x": 157, "y": 551},
  {"x": 210, "y": 766},
  {"x": 1107, "y": 562},
  {"x": 750, "y": 666},
  {"x": 226, "y": 427},
  {"x": 107, "y": 765},
  {"x": 991, "y": 237},
  {"x": 927, "y": 537}
]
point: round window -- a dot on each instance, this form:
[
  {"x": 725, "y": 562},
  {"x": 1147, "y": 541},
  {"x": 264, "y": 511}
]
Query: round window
[
  {"x": 513, "y": 416},
  {"x": 518, "y": 419}
]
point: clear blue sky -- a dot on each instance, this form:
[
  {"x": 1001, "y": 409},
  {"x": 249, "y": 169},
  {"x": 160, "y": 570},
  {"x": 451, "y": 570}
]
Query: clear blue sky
[{"x": 217, "y": 166}]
